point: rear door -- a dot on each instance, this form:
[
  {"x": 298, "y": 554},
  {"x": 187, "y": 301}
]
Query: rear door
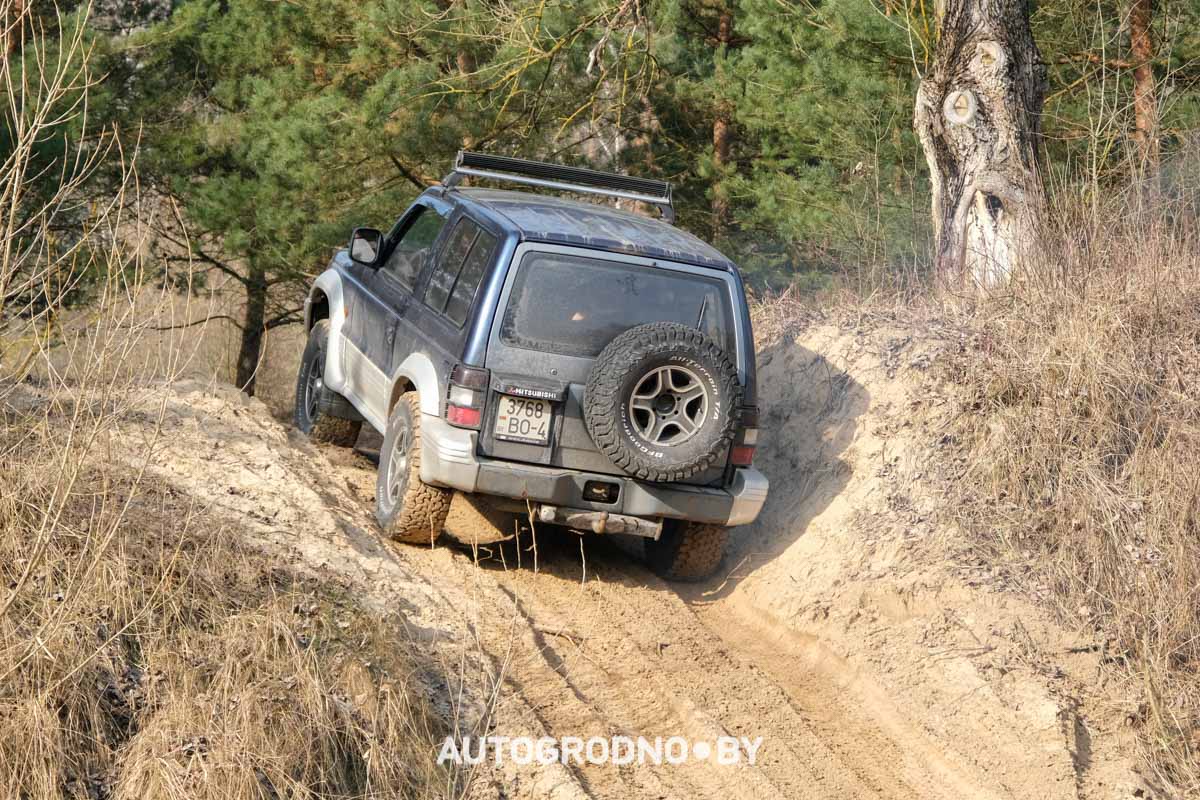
[{"x": 559, "y": 308}]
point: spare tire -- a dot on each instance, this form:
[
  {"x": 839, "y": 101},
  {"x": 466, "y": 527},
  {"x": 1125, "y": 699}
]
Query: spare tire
[{"x": 661, "y": 401}]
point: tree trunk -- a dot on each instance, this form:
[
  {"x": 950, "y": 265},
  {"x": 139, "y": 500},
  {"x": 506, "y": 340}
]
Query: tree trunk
[
  {"x": 977, "y": 116},
  {"x": 15, "y": 25},
  {"x": 253, "y": 326},
  {"x": 1145, "y": 104},
  {"x": 645, "y": 140},
  {"x": 722, "y": 134}
]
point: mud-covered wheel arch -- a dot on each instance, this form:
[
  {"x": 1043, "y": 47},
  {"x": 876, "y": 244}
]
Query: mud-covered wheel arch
[
  {"x": 687, "y": 551},
  {"x": 662, "y": 401},
  {"x": 310, "y": 382}
]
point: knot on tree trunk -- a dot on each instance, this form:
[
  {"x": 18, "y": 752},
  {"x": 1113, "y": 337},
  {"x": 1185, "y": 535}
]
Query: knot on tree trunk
[{"x": 977, "y": 116}]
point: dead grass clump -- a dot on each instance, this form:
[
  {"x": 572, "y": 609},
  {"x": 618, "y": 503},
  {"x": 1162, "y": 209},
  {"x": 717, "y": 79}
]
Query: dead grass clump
[
  {"x": 1083, "y": 428},
  {"x": 145, "y": 653},
  {"x": 780, "y": 317}
]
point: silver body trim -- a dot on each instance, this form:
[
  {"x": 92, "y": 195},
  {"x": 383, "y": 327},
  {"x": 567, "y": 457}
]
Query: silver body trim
[
  {"x": 448, "y": 460},
  {"x": 749, "y": 492}
]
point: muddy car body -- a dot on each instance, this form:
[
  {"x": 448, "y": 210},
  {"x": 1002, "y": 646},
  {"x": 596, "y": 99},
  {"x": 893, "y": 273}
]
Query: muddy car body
[{"x": 484, "y": 312}]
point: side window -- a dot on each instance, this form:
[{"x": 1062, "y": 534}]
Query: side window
[
  {"x": 454, "y": 282},
  {"x": 408, "y": 256},
  {"x": 470, "y": 277}
]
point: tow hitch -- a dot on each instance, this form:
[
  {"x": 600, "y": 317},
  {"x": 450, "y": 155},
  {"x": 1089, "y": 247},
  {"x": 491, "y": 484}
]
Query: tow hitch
[{"x": 600, "y": 521}]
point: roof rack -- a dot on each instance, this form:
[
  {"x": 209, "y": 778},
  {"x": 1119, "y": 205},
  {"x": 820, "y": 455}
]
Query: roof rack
[{"x": 569, "y": 179}]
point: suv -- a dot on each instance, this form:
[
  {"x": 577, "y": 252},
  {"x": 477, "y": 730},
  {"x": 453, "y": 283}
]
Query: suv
[{"x": 572, "y": 362}]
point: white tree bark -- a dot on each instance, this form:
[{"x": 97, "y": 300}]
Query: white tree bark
[{"x": 978, "y": 118}]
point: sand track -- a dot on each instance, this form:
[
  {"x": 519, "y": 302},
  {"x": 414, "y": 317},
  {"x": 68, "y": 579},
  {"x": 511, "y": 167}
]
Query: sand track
[{"x": 869, "y": 666}]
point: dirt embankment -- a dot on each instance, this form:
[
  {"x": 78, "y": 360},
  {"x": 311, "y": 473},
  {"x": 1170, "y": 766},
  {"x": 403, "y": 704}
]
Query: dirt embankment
[{"x": 839, "y": 630}]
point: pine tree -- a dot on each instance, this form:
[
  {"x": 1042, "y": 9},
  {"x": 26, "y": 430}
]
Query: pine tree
[
  {"x": 815, "y": 162},
  {"x": 785, "y": 127},
  {"x": 278, "y": 126}
]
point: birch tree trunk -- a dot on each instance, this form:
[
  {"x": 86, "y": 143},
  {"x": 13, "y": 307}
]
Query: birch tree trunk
[{"x": 978, "y": 118}]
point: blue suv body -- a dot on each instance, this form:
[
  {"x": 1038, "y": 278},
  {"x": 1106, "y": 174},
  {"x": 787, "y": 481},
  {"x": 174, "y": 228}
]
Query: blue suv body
[{"x": 482, "y": 316}]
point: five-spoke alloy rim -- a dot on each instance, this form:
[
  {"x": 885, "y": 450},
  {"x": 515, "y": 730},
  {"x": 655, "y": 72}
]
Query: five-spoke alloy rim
[
  {"x": 398, "y": 465},
  {"x": 313, "y": 386},
  {"x": 669, "y": 405}
]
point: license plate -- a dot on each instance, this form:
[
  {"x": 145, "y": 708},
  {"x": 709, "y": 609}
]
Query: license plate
[{"x": 523, "y": 419}]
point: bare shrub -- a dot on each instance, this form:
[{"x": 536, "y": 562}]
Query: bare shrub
[
  {"x": 44, "y": 83},
  {"x": 1083, "y": 431}
]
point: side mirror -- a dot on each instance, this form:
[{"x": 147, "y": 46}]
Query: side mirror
[{"x": 365, "y": 246}]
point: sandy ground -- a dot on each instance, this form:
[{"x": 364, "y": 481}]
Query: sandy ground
[{"x": 838, "y": 630}]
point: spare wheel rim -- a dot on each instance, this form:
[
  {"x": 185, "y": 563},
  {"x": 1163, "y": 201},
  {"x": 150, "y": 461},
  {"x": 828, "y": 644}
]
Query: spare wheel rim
[{"x": 668, "y": 405}]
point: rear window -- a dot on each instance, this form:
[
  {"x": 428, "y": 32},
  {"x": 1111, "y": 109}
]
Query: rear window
[{"x": 574, "y": 305}]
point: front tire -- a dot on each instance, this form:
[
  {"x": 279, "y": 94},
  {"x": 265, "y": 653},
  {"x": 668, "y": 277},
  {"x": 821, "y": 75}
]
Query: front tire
[
  {"x": 408, "y": 510},
  {"x": 310, "y": 383},
  {"x": 687, "y": 551}
]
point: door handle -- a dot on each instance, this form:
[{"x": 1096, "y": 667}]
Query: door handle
[{"x": 391, "y": 333}]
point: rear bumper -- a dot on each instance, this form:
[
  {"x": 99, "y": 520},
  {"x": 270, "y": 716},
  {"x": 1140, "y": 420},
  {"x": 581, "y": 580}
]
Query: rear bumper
[{"x": 448, "y": 459}]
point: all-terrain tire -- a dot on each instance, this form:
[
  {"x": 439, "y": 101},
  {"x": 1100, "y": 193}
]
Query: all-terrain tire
[
  {"x": 619, "y": 371},
  {"x": 687, "y": 551},
  {"x": 408, "y": 509},
  {"x": 307, "y": 416}
]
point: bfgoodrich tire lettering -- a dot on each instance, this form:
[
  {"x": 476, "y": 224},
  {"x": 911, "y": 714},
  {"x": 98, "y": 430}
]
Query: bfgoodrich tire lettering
[
  {"x": 307, "y": 415},
  {"x": 661, "y": 402}
]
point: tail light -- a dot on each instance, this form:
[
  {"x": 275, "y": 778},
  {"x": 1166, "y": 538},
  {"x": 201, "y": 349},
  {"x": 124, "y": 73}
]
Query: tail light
[
  {"x": 464, "y": 404},
  {"x": 746, "y": 439}
]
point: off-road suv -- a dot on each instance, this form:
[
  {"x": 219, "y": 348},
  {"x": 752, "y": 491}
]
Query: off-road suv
[{"x": 584, "y": 365}]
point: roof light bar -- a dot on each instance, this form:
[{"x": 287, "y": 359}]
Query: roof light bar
[{"x": 568, "y": 179}]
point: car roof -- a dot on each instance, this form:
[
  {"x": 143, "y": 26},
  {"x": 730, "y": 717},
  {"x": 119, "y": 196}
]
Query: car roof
[{"x": 547, "y": 218}]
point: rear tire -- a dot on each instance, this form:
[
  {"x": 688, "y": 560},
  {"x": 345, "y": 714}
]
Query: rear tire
[
  {"x": 307, "y": 414},
  {"x": 687, "y": 551},
  {"x": 408, "y": 510}
]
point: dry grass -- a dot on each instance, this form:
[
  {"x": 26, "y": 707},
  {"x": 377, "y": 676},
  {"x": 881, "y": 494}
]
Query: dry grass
[
  {"x": 1083, "y": 428},
  {"x": 144, "y": 650},
  {"x": 1080, "y": 430},
  {"x": 146, "y": 653}
]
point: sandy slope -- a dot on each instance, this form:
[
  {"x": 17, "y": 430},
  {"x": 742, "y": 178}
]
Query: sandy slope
[{"x": 837, "y": 630}]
